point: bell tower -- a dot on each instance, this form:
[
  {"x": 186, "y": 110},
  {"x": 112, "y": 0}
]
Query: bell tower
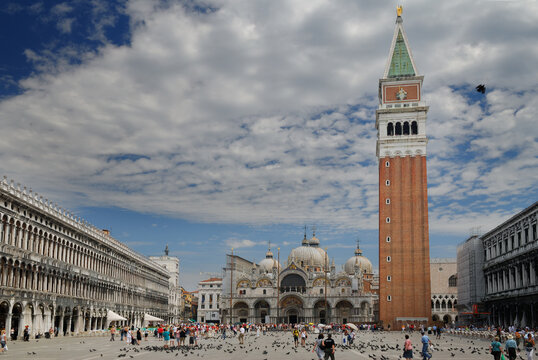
[{"x": 404, "y": 252}]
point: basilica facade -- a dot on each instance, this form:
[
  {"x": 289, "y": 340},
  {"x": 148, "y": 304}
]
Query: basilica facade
[
  {"x": 58, "y": 271},
  {"x": 308, "y": 289}
]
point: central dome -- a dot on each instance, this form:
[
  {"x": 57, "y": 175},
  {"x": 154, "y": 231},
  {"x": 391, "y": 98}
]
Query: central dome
[{"x": 306, "y": 255}]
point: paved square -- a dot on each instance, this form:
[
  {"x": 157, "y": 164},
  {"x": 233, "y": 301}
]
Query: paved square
[{"x": 273, "y": 346}]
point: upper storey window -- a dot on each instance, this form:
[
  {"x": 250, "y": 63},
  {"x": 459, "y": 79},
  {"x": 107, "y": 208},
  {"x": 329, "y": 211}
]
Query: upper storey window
[
  {"x": 405, "y": 129},
  {"x": 414, "y": 128},
  {"x": 398, "y": 128}
]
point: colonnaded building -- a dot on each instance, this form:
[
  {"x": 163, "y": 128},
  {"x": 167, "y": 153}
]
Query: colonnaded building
[
  {"x": 307, "y": 289},
  {"x": 504, "y": 262},
  {"x": 61, "y": 272}
]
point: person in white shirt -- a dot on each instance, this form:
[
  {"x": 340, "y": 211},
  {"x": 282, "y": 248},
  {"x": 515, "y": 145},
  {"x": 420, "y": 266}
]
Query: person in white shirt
[{"x": 242, "y": 335}]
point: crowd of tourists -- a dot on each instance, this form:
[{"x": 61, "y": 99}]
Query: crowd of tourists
[{"x": 516, "y": 341}]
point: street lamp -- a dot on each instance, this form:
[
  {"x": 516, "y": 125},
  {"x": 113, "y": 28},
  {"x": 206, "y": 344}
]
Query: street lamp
[
  {"x": 278, "y": 287},
  {"x": 231, "y": 283},
  {"x": 325, "y": 292}
]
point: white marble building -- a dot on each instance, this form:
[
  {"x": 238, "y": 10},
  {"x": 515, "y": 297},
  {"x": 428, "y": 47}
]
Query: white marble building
[
  {"x": 59, "y": 271},
  {"x": 171, "y": 264},
  {"x": 209, "y": 292},
  {"x": 308, "y": 289},
  {"x": 444, "y": 289}
]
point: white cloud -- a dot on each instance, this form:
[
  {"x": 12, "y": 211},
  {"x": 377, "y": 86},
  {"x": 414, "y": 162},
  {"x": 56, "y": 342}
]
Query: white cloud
[
  {"x": 65, "y": 25},
  {"x": 263, "y": 112},
  {"x": 61, "y": 9},
  {"x": 240, "y": 243}
]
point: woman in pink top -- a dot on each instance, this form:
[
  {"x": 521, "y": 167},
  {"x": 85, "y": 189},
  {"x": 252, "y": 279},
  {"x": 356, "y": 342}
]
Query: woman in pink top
[{"x": 408, "y": 348}]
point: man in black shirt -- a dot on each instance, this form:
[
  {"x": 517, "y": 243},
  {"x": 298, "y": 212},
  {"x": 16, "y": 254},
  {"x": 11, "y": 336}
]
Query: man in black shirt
[{"x": 328, "y": 346}]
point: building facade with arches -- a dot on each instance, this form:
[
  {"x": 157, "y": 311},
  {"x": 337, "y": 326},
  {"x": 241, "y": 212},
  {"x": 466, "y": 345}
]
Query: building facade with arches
[
  {"x": 444, "y": 293},
  {"x": 307, "y": 290},
  {"x": 58, "y": 271}
]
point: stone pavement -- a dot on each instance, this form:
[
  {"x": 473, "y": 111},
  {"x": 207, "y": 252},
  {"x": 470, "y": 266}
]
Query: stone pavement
[{"x": 273, "y": 346}]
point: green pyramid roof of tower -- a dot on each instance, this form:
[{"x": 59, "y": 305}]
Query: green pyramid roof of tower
[{"x": 401, "y": 64}]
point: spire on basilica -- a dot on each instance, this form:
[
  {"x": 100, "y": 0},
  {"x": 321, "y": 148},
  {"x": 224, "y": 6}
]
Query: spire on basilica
[
  {"x": 269, "y": 254},
  {"x": 358, "y": 251}
]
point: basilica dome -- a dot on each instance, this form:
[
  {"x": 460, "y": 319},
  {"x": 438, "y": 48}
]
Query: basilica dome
[
  {"x": 358, "y": 260},
  {"x": 267, "y": 264},
  {"x": 314, "y": 242},
  {"x": 306, "y": 255}
]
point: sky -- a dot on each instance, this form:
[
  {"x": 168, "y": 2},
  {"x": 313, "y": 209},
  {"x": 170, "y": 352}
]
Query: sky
[{"x": 207, "y": 125}]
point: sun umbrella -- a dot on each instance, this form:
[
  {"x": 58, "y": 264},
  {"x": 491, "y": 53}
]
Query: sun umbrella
[
  {"x": 352, "y": 326},
  {"x": 321, "y": 326},
  {"x": 310, "y": 323}
]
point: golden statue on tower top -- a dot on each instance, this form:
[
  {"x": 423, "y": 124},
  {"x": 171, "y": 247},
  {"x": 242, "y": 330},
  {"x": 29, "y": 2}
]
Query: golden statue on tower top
[{"x": 399, "y": 9}]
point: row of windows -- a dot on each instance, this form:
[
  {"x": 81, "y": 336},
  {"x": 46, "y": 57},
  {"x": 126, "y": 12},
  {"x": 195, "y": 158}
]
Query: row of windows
[
  {"x": 210, "y": 306},
  {"x": 508, "y": 244},
  {"x": 398, "y": 129}
]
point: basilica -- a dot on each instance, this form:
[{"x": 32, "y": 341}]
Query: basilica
[{"x": 308, "y": 289}]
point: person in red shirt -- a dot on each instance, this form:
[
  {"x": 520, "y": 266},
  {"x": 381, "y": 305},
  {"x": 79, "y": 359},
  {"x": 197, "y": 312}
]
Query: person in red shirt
[{"x": 160, "y": 332}]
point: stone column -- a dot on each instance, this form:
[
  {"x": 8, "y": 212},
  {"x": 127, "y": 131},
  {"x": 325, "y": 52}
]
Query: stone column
[
  {"x": 21, "y": 323},
  {"x": 61, "y": 325},
  {"x": 69, "y": 319},
  {"x": 533, "y": 273},
  {"x": 34, "y": 326},
  {"x": 8, "y": 323}
]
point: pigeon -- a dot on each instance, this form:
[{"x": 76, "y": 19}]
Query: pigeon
[{"x": 481, "y": 88}]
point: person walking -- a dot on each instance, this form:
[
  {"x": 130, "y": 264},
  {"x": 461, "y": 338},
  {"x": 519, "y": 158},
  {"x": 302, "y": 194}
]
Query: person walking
[
  {"x": 304, "y": 336},
  {"x": 177, "y": 334},
  {"x": 329, "y": 347},
  {"x": 112, "y": 333},
  {"x": 425, "y": 344},
  {"x": 242, "y": 335},
  {"x": 529, "y": 346},
  {"x": 138, "y": 336},
  {"x": 182, "y": 336},
  {"x": 408, "y": 348},
  {"x": 166, "y": 337},
  {"x": 496, "y": 348},
  {"x": 3, "y": 341},
  {"x": 192, "y": 337},
  {"x": 296, "y": 337},
  {"x": 511, "y": 348},
  {"x": 318, "y": 347}
]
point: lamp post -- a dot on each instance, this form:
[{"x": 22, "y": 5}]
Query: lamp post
[
  {"x": 278, "y": 287},
  {"x": 231, "y": 284},
  {"x": 325, "y": 292}
]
